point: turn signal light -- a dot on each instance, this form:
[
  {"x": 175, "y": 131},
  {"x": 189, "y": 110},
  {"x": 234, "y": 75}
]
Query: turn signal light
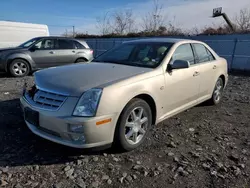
[{"x": 103, "y": 121}]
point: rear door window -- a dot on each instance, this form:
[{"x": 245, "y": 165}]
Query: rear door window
[
  {"x": 65, "y": 44},
  {"x": 184, "y": 52},
  {"x": 203, "y": 54},
  {"x": 210, "y": 55}
]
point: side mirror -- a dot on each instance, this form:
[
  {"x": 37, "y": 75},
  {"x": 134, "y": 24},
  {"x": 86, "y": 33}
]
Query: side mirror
[
  {"x": 33, "y": 48},
  {"x": 179, "y": 64}
]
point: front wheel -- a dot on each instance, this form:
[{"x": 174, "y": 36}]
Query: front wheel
[
  {"x": 217, "y": 93},
  {"x": 19, "y": 68},
  {"x": 133, "y": 125}
]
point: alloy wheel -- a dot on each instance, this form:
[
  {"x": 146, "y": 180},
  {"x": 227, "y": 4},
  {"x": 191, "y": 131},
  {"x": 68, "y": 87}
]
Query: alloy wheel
[
  {"x": 136, "y": 125},
  {"x": 20, "y": 68},
  {"x": 218, "y": 90}
]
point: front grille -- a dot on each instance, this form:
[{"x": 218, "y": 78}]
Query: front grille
[{"x": 46, "y": 100}]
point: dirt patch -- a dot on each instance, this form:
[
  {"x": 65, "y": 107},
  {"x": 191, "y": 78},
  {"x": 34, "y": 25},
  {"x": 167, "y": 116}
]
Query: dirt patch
[{"x": 206, "y": 146}]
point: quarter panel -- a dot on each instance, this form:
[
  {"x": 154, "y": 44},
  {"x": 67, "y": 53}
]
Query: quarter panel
[{"x": 81, "y": 54}]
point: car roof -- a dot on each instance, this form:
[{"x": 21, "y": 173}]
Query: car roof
[
  {"x": 160, "y": 39},
  {"x": 55, "y": 37}
]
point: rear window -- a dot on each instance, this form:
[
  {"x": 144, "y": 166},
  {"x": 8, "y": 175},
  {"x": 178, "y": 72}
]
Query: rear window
[{"x": 78, "y": 45}]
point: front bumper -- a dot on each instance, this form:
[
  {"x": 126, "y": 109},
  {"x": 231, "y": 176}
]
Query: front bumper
[{"x": 53, "y": 126}]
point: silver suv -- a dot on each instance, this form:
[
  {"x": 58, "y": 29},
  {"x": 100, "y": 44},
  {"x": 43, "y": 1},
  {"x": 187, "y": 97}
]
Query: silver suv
[{"x": 43, "y": 52}]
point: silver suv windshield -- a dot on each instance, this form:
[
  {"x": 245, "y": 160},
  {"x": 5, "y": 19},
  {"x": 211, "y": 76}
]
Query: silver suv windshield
[
  {"x": 143, "y": 54},
  {"x": 28, "y": 43}
]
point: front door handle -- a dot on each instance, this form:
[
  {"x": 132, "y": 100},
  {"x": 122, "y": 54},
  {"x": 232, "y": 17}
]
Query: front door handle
[
  {"x": 52, "y": 52},
  {"x": 214, "y": 67},
  {"x": 74, "y": 51},
  {"x": 196, "y": 73}
]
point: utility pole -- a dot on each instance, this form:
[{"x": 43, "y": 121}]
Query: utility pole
[
  {"x": 73, "y": 31},
  {"x": 66, "y": 32},
  {"x": 218, "y": 12}
]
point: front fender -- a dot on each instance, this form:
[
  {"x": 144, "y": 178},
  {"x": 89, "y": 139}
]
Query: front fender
[
  {"x": 19, "y": 55},
  {"x": 115, "y": 98}
]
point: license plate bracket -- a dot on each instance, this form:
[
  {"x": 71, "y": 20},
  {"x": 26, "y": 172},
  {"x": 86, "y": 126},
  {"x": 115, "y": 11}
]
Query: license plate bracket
[{"x": 31, "y": 116}]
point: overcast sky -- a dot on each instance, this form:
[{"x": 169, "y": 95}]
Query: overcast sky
[{"x": 63, "y": 14}]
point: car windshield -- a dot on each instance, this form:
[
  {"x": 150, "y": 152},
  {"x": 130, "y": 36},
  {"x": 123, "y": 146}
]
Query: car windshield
[
  {"x": 144, "y": 54},
  {"x": 28, "y": 43}
]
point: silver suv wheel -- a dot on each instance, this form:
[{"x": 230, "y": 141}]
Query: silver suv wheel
[{"x": 19, "y": 68}]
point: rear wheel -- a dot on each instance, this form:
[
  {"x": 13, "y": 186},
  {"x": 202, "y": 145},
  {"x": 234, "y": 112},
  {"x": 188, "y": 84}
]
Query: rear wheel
[
  {"x": 19, "y": 68},
  {"x": 81, "y": 60},
  {"x": 133, "y": 125},
  {"x": 217, "y": 93}
]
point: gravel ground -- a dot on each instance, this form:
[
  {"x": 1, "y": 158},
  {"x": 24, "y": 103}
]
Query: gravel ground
[{"x": 206, "y": 146}]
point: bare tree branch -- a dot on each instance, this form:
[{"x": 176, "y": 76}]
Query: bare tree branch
[
  {"x": 103, "y": 24},
  {"x": 154, "y": 19},
  {"x": 243, "y": 20},
  {"x": 123, "y": 22}
]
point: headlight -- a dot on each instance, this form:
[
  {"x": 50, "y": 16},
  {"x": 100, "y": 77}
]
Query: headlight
[{"x": 88, "y": 103}]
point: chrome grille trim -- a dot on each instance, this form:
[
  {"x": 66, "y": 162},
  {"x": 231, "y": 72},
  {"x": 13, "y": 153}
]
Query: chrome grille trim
[{"x": 46, "y": 100}]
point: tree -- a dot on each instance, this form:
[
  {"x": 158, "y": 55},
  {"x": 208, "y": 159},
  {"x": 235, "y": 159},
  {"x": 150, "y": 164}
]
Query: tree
[
  {"x": 154, "y": 19},
  {"x": 243, "y": 20},
  {"x": 103, "y": 24},
  {"x": 123, "y": 22},
  {"x": 162, "y": 29},
  {"x": 216, "y": 30}
]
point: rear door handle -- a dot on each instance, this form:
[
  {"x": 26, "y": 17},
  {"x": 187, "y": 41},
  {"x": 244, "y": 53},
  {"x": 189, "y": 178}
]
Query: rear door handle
[
  {"x": 52, "y": 52},
  {"x": 214, "y": 67},
  {"x": 196, "y": 73},
  {"x": 74, "y": 51}
]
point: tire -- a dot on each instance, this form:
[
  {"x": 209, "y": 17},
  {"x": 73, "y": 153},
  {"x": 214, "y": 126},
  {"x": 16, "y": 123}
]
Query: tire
[
  {"x": 130, "y": 124},
  {"x": 217, "y": 93},
  {"x": 81, "y": 60},
  {"x": 19, "y": 68}
]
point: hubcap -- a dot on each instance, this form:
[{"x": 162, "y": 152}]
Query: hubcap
[
  {"x": 136, "y": 126},
  {"x": 218, "y": 90},
  {"x": 19, "y": 68}
]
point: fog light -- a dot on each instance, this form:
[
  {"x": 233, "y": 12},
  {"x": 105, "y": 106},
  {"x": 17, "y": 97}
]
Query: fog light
[
  {"x": 75, "y": 128},
  {"x": 77, "y": 138}
]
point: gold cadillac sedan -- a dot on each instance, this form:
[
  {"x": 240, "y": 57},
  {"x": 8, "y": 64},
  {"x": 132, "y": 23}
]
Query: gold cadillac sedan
[{"x": 118, "y": 97}]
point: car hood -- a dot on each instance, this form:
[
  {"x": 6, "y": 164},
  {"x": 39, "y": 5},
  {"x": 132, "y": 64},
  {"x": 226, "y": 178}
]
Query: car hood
[
  {"x": 11, "y": 49},
  {"x": 73, "y": 80}
]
